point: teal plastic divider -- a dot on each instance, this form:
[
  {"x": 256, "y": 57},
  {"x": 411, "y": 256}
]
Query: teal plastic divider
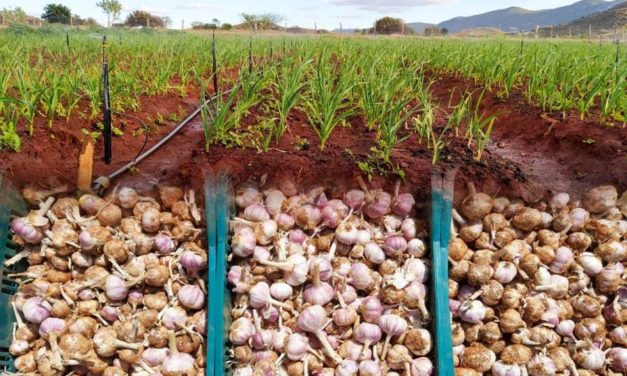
[
  {"x": 222, "y": 304},
  {"x": 441, "y": 206},
  {"x": 210, "y": 218}
]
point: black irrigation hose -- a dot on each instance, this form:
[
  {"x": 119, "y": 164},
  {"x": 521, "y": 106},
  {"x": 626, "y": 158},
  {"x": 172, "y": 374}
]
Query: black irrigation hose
[{"x": 103, "y": 182}]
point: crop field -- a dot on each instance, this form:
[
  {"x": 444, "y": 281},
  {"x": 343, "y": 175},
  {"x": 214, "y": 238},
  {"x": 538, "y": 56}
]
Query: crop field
[
  {"x": 313, "y": 185},
  {"x": 379, "y": 88},
  {"x": 51, "y": 77}
]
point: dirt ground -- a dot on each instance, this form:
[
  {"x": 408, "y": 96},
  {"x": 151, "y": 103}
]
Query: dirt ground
[{"x": 530, "y": 153}]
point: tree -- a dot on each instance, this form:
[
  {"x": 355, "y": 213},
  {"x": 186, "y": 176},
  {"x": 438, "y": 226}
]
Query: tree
[
  {"x": 268, "y": 20},
  {"x": 197, "y": 25},
  {"x": 261, "y": 21},
  {"x": 216, "y": 22},
  {"x": 227, "y": 26},
  {"x": 112, "y": 8},
  {"x": 16, "y": 15},
  {"x": 57, "y": 13},
  {"x": 78, "y": 20},
  {"x": 432, "y": 31},
  {"x": 389, "y": 25},
  {"x": 143, "y": 18},
  {"x": 167, "y": 21},
  {"x": 444, "y": 31}
]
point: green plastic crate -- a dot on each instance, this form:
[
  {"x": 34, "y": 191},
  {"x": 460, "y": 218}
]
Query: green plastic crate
[
  {"x": 11, "y": 203},
  {"x": 219, "y": 208}
]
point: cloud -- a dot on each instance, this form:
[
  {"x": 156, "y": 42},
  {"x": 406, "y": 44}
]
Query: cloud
[
  {"x": 160, "y": 12},
  {"x": 387, "y": 5},
  {"x": 349, "y": 17},
  {"x": 195, "y": 6},
  {"x": 307, "y": 8}
]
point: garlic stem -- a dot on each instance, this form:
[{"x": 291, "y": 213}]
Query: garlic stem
[
  {"x": 397, "y": 188},
  {"x": 332, "y": 249},
  {"x": 457, "y": 217},
  {"x": 123, "y": 273},
  {"x": 146, "y": 367},
  {"x": 65, "y": 296},
  {"x": 279, "y": 360},
  {"x": 18, "y": 317},
  {"x": 384, "y": 351},
  {"x": 20, "y": 255},
  {"x": 340, "y": 299},
  {"x": 172, "y": 342},
  {"x": 56, "y": 361},
  {"x": 327, "y": 346},
  {"x": 362, "y": 184},
  {"x": 283, "y": 266},
  {"x": 45, "y": 206},
  {"x": 364, "y": 349}
]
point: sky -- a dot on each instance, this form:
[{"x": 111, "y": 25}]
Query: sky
[{"x": 327, "y": 14}]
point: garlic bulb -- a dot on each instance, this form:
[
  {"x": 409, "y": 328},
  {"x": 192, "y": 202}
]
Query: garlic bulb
[{"x": 535, "y": 287}]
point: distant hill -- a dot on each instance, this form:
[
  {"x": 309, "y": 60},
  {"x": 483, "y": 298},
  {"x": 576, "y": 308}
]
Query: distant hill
[
  {"x": 274, "y": 27},
  {"x": 410, "y": 28},
  {"x": 601, "y": 23},
  {"x": 480, "y": 32},
  {"x": 345, "y": 31},
  {"x": 518, "y": 19},
  {"x": 419, "y": 27}
]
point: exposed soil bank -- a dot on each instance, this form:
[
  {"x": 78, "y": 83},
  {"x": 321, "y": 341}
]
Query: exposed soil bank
[
  {"x": 552, "y": 151},
  {"x": 529, "y": 154}
]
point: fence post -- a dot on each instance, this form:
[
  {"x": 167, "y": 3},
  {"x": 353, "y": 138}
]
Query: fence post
[
  {"x": 250, "y": 54},
  {"x": 106, "y": 104},
  {"x": 214, "y": 63}
]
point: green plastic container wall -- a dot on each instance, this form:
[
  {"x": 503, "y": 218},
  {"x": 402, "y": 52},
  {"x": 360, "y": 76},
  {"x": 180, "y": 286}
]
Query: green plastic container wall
[
  {"x": 223, "y": 306},
  {"x": 217, "y": 196},
  {"x": 441, "y": 207},
  {"x": 210, "y": 218},
  {"x": 221, "y": 298},
  {"x": 10, "y": 203}
]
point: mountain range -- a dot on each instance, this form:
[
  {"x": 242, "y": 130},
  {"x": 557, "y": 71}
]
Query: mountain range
[
  {"x": 602, "y": 22},
  {"x": 515, "y": 19}
]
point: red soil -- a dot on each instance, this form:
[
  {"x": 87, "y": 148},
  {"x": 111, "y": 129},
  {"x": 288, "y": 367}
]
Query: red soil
[{"x": 526, "y": 156}]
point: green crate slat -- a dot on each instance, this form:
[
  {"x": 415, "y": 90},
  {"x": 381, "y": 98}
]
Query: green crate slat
[
  {"x": 440, "y": 229},
  {"x": 10, "y": 202},
  {"x": 222, "y": 311},
  {"x": 210, "y": 218}
]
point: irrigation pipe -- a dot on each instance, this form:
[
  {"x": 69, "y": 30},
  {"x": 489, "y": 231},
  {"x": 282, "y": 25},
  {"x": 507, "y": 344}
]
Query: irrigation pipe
[{"x": 103, "y": 182}]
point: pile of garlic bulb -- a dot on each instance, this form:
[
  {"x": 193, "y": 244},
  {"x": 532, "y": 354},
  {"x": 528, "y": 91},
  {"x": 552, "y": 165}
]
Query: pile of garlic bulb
[
  {"x": 114, "y": 286},
  {"x": 539, "y": 289},
  {"x": 328, "y": 286}
]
